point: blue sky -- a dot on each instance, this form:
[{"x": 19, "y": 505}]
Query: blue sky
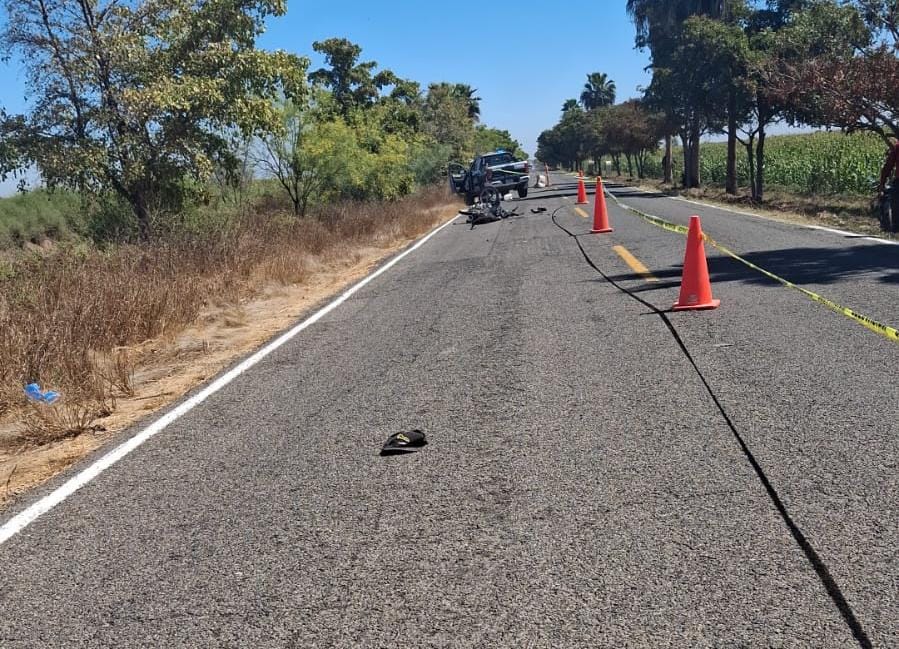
[{"x": 524, "y": 58}]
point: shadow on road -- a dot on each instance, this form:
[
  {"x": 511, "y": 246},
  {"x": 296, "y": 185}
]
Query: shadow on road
[
  {"x": 877, "y": 262},
  {"x": 636, "y": 193}
]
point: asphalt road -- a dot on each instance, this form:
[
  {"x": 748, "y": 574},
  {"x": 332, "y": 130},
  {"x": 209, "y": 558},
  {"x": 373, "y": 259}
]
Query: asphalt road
[{"x": 585, "y": 485}]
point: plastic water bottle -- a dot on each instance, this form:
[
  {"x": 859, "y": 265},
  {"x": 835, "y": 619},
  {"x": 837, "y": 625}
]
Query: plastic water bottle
[{"x": 33, "y": 391}]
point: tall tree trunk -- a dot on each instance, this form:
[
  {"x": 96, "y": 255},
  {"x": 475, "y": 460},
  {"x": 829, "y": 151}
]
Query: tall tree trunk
[
  {"x": 730, "y": 183},
  {"x": 142, "y": 212},
  {"x": 630, "y": 168},
  {"x": 695, "y": 180},
  {"x": 760, "y": 164},
  {"x": 690, "y": 142},
  {"x": 750, "y": 155},
  {"x": 669, "y": 162}
]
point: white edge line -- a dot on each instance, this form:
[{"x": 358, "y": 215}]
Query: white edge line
[
  {"x": 844, "y": 233},
  {"x": 24, "y": 518}
]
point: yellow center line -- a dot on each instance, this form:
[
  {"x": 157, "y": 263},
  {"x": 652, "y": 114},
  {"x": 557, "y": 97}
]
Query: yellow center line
[
  {"x": 581, "y": 213},
  {"x": 635, "y": 264}
]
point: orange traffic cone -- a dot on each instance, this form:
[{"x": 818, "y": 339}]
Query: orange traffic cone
[
  {"x": 695, "y": 288},
  {"x": 581, "y": 190},
  {"x": 600, "y": 213}
]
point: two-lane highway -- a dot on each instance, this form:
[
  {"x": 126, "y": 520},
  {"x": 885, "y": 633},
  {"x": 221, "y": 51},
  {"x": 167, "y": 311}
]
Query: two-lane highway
[{"x": 581, "y": 487}]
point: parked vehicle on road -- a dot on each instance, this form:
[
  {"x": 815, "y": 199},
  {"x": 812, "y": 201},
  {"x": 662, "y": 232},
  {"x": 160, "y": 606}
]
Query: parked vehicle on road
[{"x": 490, "y": 174}]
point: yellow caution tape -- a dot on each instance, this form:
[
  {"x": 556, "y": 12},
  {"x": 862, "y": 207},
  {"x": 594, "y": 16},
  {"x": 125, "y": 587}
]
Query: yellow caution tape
[{"x": 886, "y": 331}]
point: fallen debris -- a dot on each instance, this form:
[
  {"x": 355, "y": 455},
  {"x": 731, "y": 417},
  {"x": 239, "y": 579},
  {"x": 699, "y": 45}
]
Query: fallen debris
[
  {"x": 401, "y": 443},
  {"x": 33, "y": 391},
  {"x": 488, "y": 211}
]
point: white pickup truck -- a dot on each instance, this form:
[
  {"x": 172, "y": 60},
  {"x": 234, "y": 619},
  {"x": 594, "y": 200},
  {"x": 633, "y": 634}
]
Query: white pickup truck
[{"x": 490, "y": 173}]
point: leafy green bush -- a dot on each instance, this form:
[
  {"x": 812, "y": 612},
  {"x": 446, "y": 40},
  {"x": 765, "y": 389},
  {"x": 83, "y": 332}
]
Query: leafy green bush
[
  {"x": 428, "y": 163},
  {"x": 38, "y": 215}
]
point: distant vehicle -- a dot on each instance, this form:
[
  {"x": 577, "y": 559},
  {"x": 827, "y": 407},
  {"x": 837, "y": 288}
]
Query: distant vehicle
[{"x": 490, "y": 174}]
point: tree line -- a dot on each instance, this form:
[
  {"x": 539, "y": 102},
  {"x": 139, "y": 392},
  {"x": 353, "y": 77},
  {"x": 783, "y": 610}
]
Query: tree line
[
  {"x": 737, "y": 67},
  {"x": 595, "y": 127},
  {"x": 148, "y": 106}
]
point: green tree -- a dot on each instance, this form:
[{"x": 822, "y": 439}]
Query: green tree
[
  {"x": 570, "y": 141},
  {"x": 469, "y": 95},
  {"x": 659, "y": 24},
  {"x": 353, "y": 84},
  {"x": 695, "y": 82},
  {"x": 631, "y": 130},
  {"x": 447, "y": 119},
  {"x": 838, "y": 66},
  {"x": 493, "y": 139},
  {"x": 570, "y": 104},
  {"x": 292, "y": 159},
  {"x": 402, "y": 110},
  {"x": 549, "y": 149},
  {"x": 133, "y": 97},
  {"x": 755, "y": 90},
  {"x": 598, "y": 91},
  {"x": 318, "y": 156},
  {"x": 658, "y": 20}
]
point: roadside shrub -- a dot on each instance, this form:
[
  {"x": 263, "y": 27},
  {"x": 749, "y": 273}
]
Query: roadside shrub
[
  {"x": 37, "y": 215},
  {"x": 68, "y": 317},
  {"x": 429, "y": 163}
]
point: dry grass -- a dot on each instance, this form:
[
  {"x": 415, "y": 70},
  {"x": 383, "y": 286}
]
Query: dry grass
[{"x": 73, "y": 317}]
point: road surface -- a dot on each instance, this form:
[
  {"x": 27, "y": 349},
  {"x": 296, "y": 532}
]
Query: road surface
[{"x": 586, "y": 483}]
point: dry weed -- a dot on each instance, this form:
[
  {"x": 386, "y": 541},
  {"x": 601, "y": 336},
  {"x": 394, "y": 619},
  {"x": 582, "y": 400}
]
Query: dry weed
[{"x": 69, "y": 317}]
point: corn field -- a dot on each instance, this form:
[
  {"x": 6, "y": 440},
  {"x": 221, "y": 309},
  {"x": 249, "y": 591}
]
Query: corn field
[{"x": 824, "y": 163}]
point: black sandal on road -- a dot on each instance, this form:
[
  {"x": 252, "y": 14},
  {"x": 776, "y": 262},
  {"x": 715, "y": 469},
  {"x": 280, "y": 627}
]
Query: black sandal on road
[{"x": 406, "y": 442}]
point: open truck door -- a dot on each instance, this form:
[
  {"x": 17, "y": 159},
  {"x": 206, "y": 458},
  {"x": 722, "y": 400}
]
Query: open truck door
[{"x": 457, "y": 175}]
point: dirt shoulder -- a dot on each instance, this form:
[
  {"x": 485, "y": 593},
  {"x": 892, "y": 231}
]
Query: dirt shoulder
[
  {"x": 852, "y": 214},
  {"x": 168, "y": 368}
]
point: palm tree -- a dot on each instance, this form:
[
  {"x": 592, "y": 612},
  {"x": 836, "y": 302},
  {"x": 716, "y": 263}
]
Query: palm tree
[
  {"x": 569, "y": 104},
  {"x": 655, "y": 19},
  {"x": 468, "y": 93},
  {"x": 598, "y": 91}
]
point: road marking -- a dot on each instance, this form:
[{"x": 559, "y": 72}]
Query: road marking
[
  {"x": 891, "y": 333},
  {"x": 24, "y": 518},
  {"x": 844, "y": 233},
  {"x": 853, "y": 235},
  {"x": 635, "y": 264},
  {"x": 581, "y": 213}
]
